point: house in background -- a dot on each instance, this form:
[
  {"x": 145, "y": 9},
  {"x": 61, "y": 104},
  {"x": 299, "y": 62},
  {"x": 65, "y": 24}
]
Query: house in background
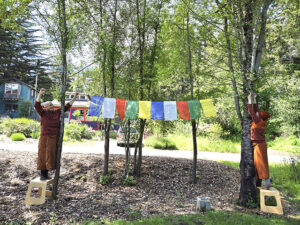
[
  {"x": 81, "y": 104},
  {"x": 12, "y": 93}
]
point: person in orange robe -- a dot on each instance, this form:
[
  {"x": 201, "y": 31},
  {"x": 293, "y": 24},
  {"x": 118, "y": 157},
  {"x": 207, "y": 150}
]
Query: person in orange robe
[
  {"x": 50, "y": 127},
  {"x": 258, "y": 139}
]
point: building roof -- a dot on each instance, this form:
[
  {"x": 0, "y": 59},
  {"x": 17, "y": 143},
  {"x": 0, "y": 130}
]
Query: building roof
[
  {"x": 18, "y": 81},
  {"x": 75, "y": 104}
]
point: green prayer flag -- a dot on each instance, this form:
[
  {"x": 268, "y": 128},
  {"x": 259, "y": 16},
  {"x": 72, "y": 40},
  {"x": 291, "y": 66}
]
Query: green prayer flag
[
  {"x": 132, "y": 109},
  {"x": 194, "y": 107}
]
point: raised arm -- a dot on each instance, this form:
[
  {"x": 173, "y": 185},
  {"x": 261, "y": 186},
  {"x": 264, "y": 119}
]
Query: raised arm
[
  {"x": 37, "y": 103},
  {"x": 253, "y": 108},
  {"x": 68, "y": 106}
]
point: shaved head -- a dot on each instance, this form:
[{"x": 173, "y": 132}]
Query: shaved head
[{"x": 47, "y": 105}]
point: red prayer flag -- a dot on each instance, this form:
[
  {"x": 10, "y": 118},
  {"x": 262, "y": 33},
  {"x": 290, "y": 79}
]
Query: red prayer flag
[
  {"x": 183, "y": 110},
  {"x": 121, "y": 106}
]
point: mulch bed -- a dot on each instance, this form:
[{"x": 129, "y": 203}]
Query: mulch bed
[{"x": 163, "y": 188}]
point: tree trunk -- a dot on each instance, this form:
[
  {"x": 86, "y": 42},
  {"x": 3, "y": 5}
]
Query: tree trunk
[
  {"x": 140, "y": 146},
  {"x": 127, "y": 150},
  {"x": 247, "y": 195},
  {"x": 141, "y": 40},
  {"x": 106, "y": 146},
  {"x": 194, "y": 172},
  {"x": 112, "y": 87},
  {"x": 248, "y": 186},
  {"x": 189, "y": 61},
  {"x": 64, "y": 41}
]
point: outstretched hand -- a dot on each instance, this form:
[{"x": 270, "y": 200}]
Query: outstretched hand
[{"x": 42, "y": 91}]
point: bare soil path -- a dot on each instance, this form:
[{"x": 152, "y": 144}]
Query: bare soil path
[{"x": 163, "y": 188}]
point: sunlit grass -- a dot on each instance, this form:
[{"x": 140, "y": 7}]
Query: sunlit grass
[
  {"x": 184, "y": 142},
  {"x": 212, "y": 217},
  {"x": 287, "y": 144}
]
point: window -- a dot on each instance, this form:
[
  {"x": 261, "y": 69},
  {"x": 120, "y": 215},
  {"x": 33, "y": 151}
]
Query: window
[
  {"x": 81, "y": 116},
  {"x": 11, "y": 88},
  {"x": 82, "y": 97},
  {"x": 11, "y": 108}
]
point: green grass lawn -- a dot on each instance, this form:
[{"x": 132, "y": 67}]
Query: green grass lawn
[
  {"x": 232, "y": 145},
  {"x": 209, "y": 218},
  {"x": 184, "y": 142},
  {"x": 287, "y": 144}
]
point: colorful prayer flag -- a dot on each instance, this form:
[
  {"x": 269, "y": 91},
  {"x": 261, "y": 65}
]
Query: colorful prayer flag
[
  {"x": 121, "y": 106},
  {"x": 132, "y": 108},
  {"x": 109, "y": 108},
  {"x": 194, "y": 108},
  {"x": 183, "y": 110},
  {"x": 145, "y": 109},
  {"x": 157, "y": 110},
  {"x": 95, "y": 106},
  {"x": 170, "y": 110},
  {"x": 208, "y": 108}
]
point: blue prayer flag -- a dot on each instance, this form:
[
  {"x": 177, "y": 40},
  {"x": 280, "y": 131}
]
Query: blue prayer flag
[
  {"x": 157, "y": 110},
  {"x": 95, "y": 105}
]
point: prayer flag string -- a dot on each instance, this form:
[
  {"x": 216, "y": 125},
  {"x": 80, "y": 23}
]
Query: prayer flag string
[{"x": 155, "y": 110}]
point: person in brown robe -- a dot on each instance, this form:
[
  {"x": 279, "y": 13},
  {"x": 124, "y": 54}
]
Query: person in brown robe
[
  {"x": 50, "y": 126},
  {"x": 258, "y": 139}
]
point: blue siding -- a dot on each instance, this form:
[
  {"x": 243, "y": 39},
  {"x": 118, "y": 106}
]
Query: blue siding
[
  {"x": 1, "y": 91},
  {"x": 2, "y": 104},
  {"x": 25, "y": 95}
]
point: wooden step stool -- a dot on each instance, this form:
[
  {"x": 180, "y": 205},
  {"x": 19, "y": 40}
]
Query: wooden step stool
[
  {"x": 270, "y": 209},
  {"x": 43, "y": 192}
]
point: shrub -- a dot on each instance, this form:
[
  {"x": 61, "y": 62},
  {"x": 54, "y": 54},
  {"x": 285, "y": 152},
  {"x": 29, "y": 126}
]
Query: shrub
[
  {"x": 105, "y": 180},
  {"x": 35, "y": 135},
  {"x": 77, "y": 131},
  {"x": 113, "y": 135},
  {"x": 19, "y": 125},
  {"x": 76, "y": 113},
  {"x": 25, "y": 108},
  {"x": 129, "y": 181},
  {"x": 73, "y": 131},
  {"x": 18, "y": 137},
  {"x": 215, "y": 131},
  {"x": 86, "y": 132},
  {"x": 99, "y": 134}
]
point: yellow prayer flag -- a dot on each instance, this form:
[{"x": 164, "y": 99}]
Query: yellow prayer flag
[
  {"x": 145, "y": 109},
  {"x": 208, "y": 108}
]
